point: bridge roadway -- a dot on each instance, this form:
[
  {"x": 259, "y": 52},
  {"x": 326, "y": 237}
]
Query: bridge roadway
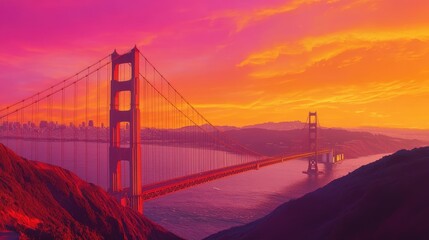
[{"x": 159, "y": 189}]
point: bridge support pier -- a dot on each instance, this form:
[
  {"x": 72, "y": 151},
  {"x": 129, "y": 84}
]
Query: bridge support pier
[
  {"x": 327, "y": 157},
  {"x": 331, "y": 156},
  {"x": 117, "y": 151}
]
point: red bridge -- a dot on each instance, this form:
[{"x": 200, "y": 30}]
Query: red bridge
[{"x": 120, "y": 124}]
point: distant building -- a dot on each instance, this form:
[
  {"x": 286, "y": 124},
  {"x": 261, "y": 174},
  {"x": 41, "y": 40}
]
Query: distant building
[
  {"x": 91, "y": 123},
  {"x": 43, "y": 124}
]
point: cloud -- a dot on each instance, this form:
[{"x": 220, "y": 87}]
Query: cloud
[
  {"x": 263, "y": 13},
  {"x": 267, "y": 56},
  {"x": 243, "y": 18},
  {"x": 367, "y": 93},
  {"x": 356, "y": 95},
  {"x": 240, "y": 61},
  {"x": 335, "y": 43}
]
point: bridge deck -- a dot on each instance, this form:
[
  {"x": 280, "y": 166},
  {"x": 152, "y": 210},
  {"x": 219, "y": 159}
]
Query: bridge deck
[{"x": 162, "y": 188}]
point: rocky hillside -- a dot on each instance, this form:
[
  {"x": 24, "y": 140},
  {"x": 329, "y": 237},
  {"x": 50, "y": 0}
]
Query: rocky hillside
[
  {"x": 40, "y": 201},
  {"x": 386, "y": 199}
]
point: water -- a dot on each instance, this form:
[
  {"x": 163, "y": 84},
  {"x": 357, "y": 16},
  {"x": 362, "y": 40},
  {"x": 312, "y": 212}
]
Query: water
[{"x": 197, "y": 212}]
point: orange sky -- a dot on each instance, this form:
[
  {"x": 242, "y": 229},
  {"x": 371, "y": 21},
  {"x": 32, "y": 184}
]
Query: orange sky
[{"x": 356, "y": 62}]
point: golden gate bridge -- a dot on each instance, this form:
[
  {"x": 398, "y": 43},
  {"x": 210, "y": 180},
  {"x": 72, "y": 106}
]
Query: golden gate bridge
[{"x": 120, "y": 124}]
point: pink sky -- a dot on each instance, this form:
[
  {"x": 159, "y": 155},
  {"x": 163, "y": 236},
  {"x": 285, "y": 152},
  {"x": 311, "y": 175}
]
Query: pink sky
[{"x": 357, "y": 62}]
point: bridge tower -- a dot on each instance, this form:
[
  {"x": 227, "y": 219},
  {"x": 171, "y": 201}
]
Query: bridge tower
[
  {"x": 131, "y": 153},
  {"x": 312, "y": 143}
]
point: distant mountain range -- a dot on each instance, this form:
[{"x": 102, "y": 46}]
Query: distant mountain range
[
  {"x": 279, "y": 126},
  {"x": 352, "y": 144},
  {"x": 404, "y": 133},
  {"x": 273, "y": 139},
  {"x": 386, "y": 199}
]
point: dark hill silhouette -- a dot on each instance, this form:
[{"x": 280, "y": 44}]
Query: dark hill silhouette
[
  {"x": 386, "y": 199},
  {"x": 40, "y": 201}
]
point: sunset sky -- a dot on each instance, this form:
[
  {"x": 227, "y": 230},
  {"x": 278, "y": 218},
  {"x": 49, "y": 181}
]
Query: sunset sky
[{"x": 356, "y": 62}]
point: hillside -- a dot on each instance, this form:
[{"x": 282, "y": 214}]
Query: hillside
[
  {"x": 40, "y": 201},
  {"x": 419, "y": 134},
  {"x": 277, "y": 142},
  {"x": 386, "y": 199},
  {"x": 352, "y": 144}
]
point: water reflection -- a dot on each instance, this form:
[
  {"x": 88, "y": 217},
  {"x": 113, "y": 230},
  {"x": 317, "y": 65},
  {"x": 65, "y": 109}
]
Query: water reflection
[{"x": 202, "y": 210}]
